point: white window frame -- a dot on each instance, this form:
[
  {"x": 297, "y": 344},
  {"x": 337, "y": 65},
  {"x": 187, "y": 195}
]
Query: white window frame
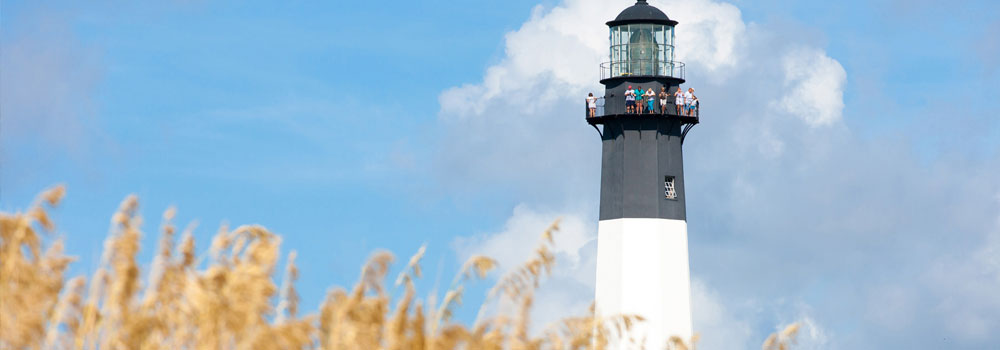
[{"x": 669, "y": 187}]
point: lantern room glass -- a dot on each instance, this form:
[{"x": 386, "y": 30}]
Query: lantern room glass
[{"x": 642, "y": 49}]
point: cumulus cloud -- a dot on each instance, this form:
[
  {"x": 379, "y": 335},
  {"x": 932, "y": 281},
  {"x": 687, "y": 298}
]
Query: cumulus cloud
[
  {"x": 575, "y": 249},
  {"x": 523, "y": 230},
  {"x": 530, "y": 75},
  {"x": 716, "y": 322},
  {"x": 815, "y": 85},
  {"x": 712, "y": 35},
  {"x": 811, "y": 335}
]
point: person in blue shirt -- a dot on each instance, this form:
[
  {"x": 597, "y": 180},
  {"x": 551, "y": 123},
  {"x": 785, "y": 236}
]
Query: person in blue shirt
[{"x": 639, "y": 99}]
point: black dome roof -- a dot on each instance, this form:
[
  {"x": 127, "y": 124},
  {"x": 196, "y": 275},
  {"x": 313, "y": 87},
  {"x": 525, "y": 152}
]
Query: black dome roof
[{"x": 642, "y": 12}]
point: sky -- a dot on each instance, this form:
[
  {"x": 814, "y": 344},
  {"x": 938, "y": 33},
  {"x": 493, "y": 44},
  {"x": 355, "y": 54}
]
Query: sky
[{"x": 844, "y": 174}]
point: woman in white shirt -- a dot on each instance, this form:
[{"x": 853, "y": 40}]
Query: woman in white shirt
[
  {"x": 650, "y": 100},
  {"x": 679, "y": 101},
  {"x": 592, "y": 104}
]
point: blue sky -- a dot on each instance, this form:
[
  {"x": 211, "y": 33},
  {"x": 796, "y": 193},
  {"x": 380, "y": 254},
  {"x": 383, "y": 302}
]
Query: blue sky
[{"x": 845, "y": 174}]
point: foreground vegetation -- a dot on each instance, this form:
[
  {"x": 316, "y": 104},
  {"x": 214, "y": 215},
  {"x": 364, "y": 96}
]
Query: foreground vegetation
[{"x": 228, "y": 299}]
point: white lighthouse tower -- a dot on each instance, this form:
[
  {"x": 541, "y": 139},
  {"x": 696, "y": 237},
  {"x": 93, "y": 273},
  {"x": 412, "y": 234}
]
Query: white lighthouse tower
[{"x": 642, "y": 254}]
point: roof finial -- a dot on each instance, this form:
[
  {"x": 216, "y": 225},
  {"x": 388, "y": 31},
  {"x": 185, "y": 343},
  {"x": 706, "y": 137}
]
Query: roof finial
[{"x": 643, "y": 2}]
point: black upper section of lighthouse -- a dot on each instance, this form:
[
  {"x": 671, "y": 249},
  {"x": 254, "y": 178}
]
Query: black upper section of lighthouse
[
  {"x": 641, "y": 12},
  {"x": 642, "y": 168}
]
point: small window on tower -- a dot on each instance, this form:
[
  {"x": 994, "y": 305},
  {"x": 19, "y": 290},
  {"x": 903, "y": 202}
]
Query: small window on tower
[{"x": 669, "y": 191}]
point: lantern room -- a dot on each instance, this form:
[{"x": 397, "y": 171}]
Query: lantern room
[{"x": 642, "y": 44}]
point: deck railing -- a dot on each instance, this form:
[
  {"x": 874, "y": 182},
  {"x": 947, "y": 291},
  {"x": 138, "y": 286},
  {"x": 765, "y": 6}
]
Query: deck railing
[
  {"x": 671, "y": 110},
  {"x": 640, "y": 67}
]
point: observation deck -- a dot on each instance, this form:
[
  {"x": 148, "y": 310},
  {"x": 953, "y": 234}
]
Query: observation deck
[
  {"x": 685, "y": 120},
  {"x": 602, "y": 117}
]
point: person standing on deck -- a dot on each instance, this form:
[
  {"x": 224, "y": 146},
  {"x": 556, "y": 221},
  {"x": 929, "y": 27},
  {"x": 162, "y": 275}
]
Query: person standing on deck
[
  {"x": 693, "y": 106},
  {"x": 629, "y": 100},
  {"x": 679, "y": 101},
  {"x": 592, "y": 104},
  {"x": 639, "y": 94},
  {"x": 650, "y": 101},
  {"x": 689, "y": 100},
  {"x": 663, "y": 100}
]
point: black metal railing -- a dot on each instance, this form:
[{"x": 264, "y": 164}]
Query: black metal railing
[
  {"x": 669, "y": 110},
  {"x": 642, "y": 67}
]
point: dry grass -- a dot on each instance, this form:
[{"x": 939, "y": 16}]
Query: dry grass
[{"x": 228, "y": 301}]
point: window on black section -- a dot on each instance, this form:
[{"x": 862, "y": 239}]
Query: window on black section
[{"x": 669, "y": 191}]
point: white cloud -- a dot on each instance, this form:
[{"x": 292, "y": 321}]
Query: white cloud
[
  {"x": 513, "y": 244},
  {"x": 711, "y": 36},
  {"x": 568, "y": 291},
  {"x": 555, "y": 54},
  {"x": 718, "y": 326},
  {"x": 815, "y": 85},
  {"x": 811, "y": 335},
  {"x": 728, "y": 323}
]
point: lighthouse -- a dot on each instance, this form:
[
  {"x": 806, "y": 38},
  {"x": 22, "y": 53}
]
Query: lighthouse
[{"x": 642, "y": 245}]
